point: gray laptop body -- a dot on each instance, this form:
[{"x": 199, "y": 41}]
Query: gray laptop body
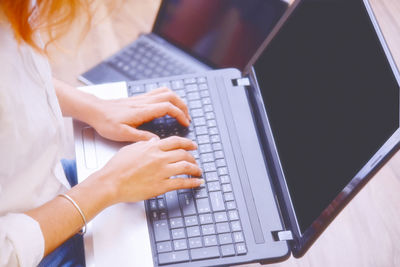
[{"x": 264, "y": 124}]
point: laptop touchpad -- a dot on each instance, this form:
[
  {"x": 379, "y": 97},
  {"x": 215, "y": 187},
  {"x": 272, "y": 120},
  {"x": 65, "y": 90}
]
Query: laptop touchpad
[{"x": 89, "y": 147}]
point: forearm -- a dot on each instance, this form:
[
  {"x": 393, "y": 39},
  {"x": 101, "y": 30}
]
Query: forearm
[
  {"x": 59, "y": 219},
  {"x": 75, "y": 103}
]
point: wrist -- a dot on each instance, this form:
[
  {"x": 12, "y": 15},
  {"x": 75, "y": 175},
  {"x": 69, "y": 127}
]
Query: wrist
[{"x": 94, "y": 194}]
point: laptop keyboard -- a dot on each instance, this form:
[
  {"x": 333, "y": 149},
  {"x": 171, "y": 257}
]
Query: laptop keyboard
[
  {"x": 200, "y": 223},
  {"x": 142, "y": 60}
]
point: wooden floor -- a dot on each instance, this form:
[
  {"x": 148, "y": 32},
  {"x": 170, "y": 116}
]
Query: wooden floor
[{"x": 366, "y": 233}]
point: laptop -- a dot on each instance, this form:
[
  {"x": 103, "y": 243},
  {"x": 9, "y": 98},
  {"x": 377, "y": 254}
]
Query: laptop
[
  {"x": 190, "y": 36},
  {"x": 284, "y": 146}
]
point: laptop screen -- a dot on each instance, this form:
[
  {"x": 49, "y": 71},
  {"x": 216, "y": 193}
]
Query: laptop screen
[
  {"x": 221, "y": 33},
  {"x": 331, "y": 97}
]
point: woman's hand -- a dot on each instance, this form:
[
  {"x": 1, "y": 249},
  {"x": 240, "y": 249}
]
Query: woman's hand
[
  {"x": 118, "y": 119},
  {"x": 142, "y": 170}
]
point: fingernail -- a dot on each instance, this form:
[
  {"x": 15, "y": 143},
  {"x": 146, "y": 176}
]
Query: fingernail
[{"x": 200, "y": 181}]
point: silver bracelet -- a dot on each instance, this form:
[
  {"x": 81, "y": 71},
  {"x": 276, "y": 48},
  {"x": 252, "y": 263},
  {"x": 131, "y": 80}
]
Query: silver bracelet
[{"x": 83, "y": 230}]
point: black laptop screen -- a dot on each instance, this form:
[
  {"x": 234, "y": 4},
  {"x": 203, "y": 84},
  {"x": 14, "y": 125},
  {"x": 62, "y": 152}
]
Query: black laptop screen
[
  {"x": 331, "y": 98},
  {"x": 222, "y": 33}
]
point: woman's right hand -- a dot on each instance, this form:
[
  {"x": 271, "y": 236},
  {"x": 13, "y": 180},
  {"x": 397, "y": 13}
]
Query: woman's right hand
[{"x": 141, "y": 171}]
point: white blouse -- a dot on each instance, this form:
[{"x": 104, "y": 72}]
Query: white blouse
[{"x": 31, "y": 142}]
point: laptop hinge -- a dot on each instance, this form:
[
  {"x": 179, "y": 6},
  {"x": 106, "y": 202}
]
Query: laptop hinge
[
  {"x": 241, "y": 82},
  {"x": 282, "y": 235}
]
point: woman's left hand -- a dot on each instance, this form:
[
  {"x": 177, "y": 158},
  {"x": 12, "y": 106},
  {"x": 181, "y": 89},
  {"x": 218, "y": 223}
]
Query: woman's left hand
[{"x": 118, "y": 119}]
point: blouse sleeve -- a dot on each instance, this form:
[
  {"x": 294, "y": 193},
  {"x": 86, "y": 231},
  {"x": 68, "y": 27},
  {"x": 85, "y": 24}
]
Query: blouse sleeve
[{"x": 21, "y": 241}]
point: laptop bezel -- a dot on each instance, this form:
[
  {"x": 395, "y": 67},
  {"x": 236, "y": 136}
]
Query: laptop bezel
[
  {"x": 303, "y": 241},
  {"x": 157, "y": 24}
]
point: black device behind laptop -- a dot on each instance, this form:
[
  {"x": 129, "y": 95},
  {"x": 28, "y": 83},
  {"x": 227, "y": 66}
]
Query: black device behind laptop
[
  {"x": 190, "y": 36},
  {"x": 322, "y": 99}
]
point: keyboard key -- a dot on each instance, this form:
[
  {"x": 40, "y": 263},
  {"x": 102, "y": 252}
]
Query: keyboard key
[
  {"x": 221, "y": 217},
  {"x": 211, "y": 123},
  {"x": 173, "y": 204},
  {"x": 205, "y": 148},
  {"x": 177, "y": 84},
  {"x": 164, "y": 246},
  {"x": 213, "y": 186},
  {"x": 241, "y": 248},
  {"x": 227, "y": 250},
  {"x": 201, "y": 80},
  {"x": 203, "y": 86},
  {"x": 178, "y": 233},
  {"x": 228, "y": 196},
  {"x": 226, "y": 188},
  {"x": 219, "y": 154},
  {"x": 223, "y": 171},
  {"x": 176, "y": 222},
  {"x": 187, "y": 204},
  {"x": 173, "y": 257},
  {"x": 195, "y": 242},
  {"x": 207, "y": 157},
  {"x": 197, "y": 113},
  {"x": 200, "y": 193},
  {"x": 231, "y": 205},
  {"x": 211, "y": 176},
  {"x": 180, "y": 244},
  {"x": 153, "y": 205},
  {"x": 191, "y": 220},
  {"x": 193, "y": 96},
  {"x": 206, "y": 101},
  {"x": 204, "y": 93},
  {"x": 210, "y": 240},
  {"x": 205, "y": 218},
  {"x": 193, "y": 231},
  {"x": 201, "y": 130},
  {"x": 209, "y": 167},
  {"x": 204, "y": 253},
  {"x": 208, "y": 229},
  {"x": 136, "y": 89},
  {"x": 224, "y": 228},
  {"x": 189, "y": 80},
  {"x": 161, "y": 204},
  {"x": 215, "y": 139},
  {"x": 238, "y": 237},
  {"x": 195, "y": 104},
  {"x": 203, "y": 139},
  {"x": 213, "y": 131},
  {"x": 217, "y": 202},
  {"x": 220, "y": 163},
  {"x": 151, "y": 86},
  {"x": 199, "y": 121},
  {"x": 163, "y": 215},
  {"x": 225, "y": 239},
  {"x": 225, "y": 179},
  {"x": 235, "y": 225},
  {"x": 164, "y": 84},
  {"x": 233, "y": 215},
  {"x": 203, "y": 206},
  {"x": 208, "y": 108},
  {"x": 161, "y": 231},
  {"x": 217, "y": 146}
]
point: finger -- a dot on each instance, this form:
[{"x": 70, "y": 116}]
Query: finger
[
  {"x": 179, "y": 155},
  {"x": 129, "y": 133},
  {"x": 166, "y": 108},
  {"x": 176, "y": 142},
  {"x": 174, "y": 99},
  {"x": 158, "y": 91},
  {"x": 183, "y": 183},
  {"x": 183, "y": 167}
]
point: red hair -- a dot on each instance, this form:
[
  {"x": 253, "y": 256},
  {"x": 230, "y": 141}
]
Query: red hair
[{"x": 52, "y": 16}]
